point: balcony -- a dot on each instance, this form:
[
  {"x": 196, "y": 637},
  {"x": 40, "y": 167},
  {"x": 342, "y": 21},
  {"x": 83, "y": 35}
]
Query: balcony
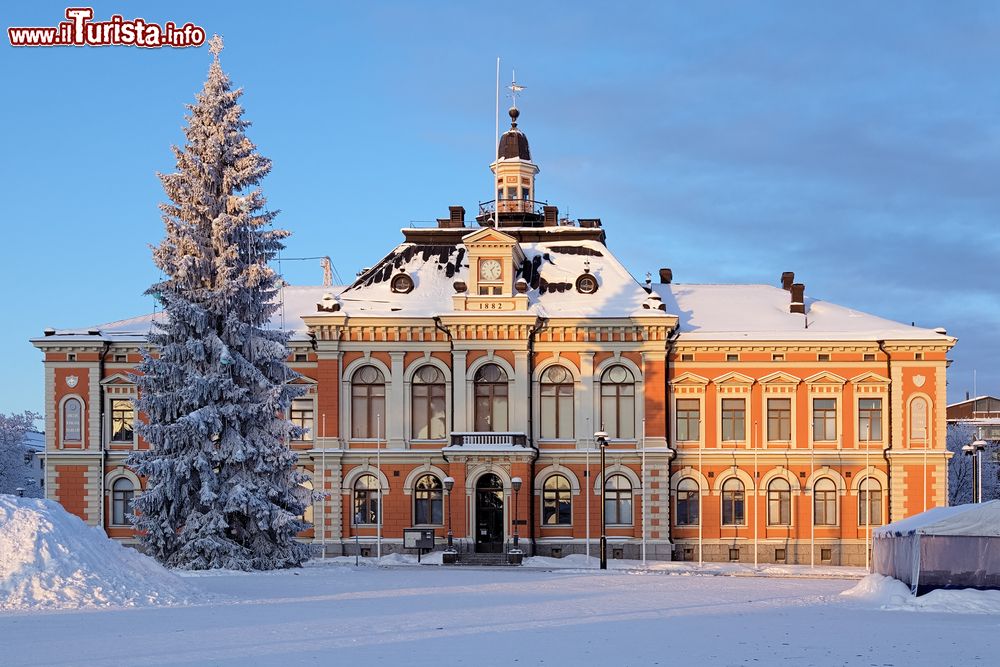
[
  {"x": 513, "y": 212},
  {"x": 489, "y": 441}
]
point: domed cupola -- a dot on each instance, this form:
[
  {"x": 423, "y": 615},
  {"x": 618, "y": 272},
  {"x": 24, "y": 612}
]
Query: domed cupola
[
  {"x": 513, "y": 142},
  {"x": 516, "y": 204}
]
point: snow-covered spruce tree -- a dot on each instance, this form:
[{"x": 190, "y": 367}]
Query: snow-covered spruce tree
[
  {"x": 13, "y": 472},
  {"x": 222, "y": 487}
]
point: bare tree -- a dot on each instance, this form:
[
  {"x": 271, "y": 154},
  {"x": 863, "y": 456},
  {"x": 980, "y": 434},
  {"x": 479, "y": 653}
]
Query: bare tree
[{"x": 13, "y": 472}]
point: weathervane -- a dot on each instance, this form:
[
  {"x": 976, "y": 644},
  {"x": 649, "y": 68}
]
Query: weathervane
[{"x": 514, "y": 88}]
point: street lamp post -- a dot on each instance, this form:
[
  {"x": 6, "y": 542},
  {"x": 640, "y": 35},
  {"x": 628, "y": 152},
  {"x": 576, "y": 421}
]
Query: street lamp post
[
  {"x": 975, "y": 451},
  {"x": 449, "y": 483},
  {"x": 602, "y": 442},
  {"x": 516, "y": 485}
]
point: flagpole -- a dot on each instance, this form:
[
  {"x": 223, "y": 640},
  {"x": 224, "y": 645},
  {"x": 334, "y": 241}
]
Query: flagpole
[
  {"x": 868, "y": 493},
  {"x": 756, "y": 494},
  {"x": 322, "y": 486},
  {"x": 586, "y": 495},
  {"x": 378, "y": 469},
  {"x": 642, "y": 473},
  {"x": 701, "y": 492}
]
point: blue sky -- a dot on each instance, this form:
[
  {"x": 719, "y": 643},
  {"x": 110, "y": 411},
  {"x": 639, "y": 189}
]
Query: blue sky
[{"x": 857, "y": 144}]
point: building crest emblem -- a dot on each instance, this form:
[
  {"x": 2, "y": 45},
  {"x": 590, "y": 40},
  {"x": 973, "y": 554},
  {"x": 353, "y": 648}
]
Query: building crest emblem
[
  {"x": 919, "y": 380},
  {"x": 71, "y": 381}
]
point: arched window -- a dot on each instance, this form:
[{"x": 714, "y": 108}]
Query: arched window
[
  {"x": 428, "y": 404},
  {"x": 428, "y": 501},
  {"x": 618, "y": 500},
  {"x": 366, "y": 505},
  {"x": 687, "y": 502},
  {"x": 557, "y": 507},
  {"x": 491, "y": 398},
  {"x": 368, "y": 403},
  {"x": 918, "y": 419},
  {"x": 618, "y": 402},
  {"x": 557, "y": 403},
  {"x": 72, "y": 420},
  {"x": 733, "y": 503},
  {"x": 870, "y": 502},
  {"x": 779, "y": 502},
  {"x": 825, "y": 502},
  {"x": 122, "y": 493}
]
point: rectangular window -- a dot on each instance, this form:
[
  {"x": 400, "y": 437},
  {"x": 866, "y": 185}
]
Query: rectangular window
[
  {"x": 120, "y": 358},
  {"x": 824, "y": 419},
  {"x": 779, "y": 419},
  {"x": 869, "y": 356},
  {"x": 688, "y": 419},
  {"x": 299, "y": 357},
  {"x": 557, "y": 410},
  {"x": 733, "y": 419},
  {"x": 918, "y": 356},
  {"x": 779, "y": 555},
  {"x": 122, "y": 420},
  {"x": 734, "y": 554},
  {"x": 822, "y": 357},
  {"x": 778, "y": 356},
  {"x": 302, "y": 416},
  {"x": 732, "y": 357},
  {"x": 71, "y": 356},
  {"x": 687, "y": 357},
  {"x": 870, "y": 416},
  {"x": 826, "y": 554}
]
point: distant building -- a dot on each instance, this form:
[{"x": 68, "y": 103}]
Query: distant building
[
  {"x": 981, "y": 413},
  {"x": 745, "y": 422},
  {"x": 34, "y": 463}
]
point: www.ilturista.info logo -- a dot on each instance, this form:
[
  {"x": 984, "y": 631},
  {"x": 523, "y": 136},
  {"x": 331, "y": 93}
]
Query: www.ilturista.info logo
[{"x": 80, "y": 30}]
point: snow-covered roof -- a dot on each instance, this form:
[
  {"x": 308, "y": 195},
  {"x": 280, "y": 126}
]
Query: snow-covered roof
[
  {"x": 761, "y": 312},
  {"x": 297, "y": 300},
  {"x": 34, "y": 441},
  {"x": 550, "y": 268},
  {"x": 975, "y": 520},
  {"x": 553, "y": 260}
]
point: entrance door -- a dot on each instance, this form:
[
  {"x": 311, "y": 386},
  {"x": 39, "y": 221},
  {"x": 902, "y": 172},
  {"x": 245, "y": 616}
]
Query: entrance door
[{"x": 489, "y": 514}]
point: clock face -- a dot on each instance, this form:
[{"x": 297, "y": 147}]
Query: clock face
[{"x": 489, "y": 269}]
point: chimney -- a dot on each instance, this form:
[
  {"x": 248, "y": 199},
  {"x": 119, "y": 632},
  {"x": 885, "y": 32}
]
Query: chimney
[
  {"x": 798, "y": 304},
  {"x": 550, "y": 216},
  {"x": 455, "y": 219},
  {"x": 590, "y": 222},
  {"x": 787, "y": 278},
  {"x": 666, "y": 276}
]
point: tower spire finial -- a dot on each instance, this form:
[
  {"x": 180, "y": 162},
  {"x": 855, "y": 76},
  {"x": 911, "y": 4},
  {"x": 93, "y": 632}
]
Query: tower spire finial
[
  {"x": 215, "y": 46},
  {"x": 514, "y": 88}
]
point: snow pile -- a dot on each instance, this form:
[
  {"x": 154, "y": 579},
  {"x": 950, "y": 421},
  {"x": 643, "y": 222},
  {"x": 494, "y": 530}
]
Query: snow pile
[
  {"x": 50, "y": 559},
  {"x": 892, "y": 594}
]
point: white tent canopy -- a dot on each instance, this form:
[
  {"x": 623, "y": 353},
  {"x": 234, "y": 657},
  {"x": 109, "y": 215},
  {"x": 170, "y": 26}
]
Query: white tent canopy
[
  {"x": 975, "y": 520},
  {"x": 946, "y": 547}
]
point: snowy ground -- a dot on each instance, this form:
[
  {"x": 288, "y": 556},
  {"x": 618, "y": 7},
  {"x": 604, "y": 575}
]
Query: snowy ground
[{"x": 339, "y": 614}]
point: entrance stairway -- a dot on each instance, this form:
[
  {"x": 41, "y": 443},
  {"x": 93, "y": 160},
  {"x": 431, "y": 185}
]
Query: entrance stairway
[{"x": 482, "y": 559}]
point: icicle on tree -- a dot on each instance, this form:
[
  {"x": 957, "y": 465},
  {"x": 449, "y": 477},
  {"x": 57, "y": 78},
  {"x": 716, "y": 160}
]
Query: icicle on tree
[{"x": 222, "y": 487}]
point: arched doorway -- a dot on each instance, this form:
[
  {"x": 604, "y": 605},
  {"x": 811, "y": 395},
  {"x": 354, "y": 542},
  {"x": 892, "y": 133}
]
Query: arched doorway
[{"x": 489, "y": 514}]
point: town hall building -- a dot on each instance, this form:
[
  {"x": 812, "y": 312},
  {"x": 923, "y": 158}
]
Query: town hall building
[{"x": 458, "y": 383}]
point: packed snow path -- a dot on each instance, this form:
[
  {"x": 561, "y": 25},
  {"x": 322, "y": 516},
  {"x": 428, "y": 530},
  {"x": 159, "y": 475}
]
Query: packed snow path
[{"x": 456, "y": 616}]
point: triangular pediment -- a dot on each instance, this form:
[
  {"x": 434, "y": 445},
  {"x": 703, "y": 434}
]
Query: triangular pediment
[
  {"x": 869, "y": 378},
  {"x": 825, "y": 377},
  {"x": 490, "y": 236},
  {"x": 689, "y": 379},
  {"x": 117, "y": 379},
  {"x": 302, "y": 379},
  {"x": 779, "y": 377},
  {"x": 733, "y": 378}
]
